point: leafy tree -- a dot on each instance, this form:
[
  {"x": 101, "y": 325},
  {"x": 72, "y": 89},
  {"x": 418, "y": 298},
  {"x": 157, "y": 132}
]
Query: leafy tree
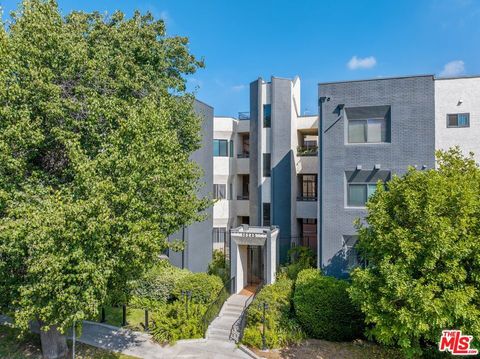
[
  {"x": 422, "y": 244},
  {"x": 96, "y": 131},
  {"x": 219, "y": 265}
]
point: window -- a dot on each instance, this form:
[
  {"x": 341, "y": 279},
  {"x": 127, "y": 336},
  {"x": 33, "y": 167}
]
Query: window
[
  {"x": 231, "y": 148},
  {"x": 245, "y": 146},
  {"x": 308, "y": 188},
  {"x": 267, "y": 116},
  {"x": 352, "y": 257},
  {"x": 372, "y": 130},
  {"x": 358, "y": 193},
  {"x": 219, "y": 191},
  {"x": 220, "y": 148},
  {"x": 458, "y": 120},
  {"x": 219, "y": 234},
  {"x": 245, "y": 185},
  {"x": 266, "y": 165},
  {"x": 230, "y": 190},
  {"x": 266, "y": 214}
]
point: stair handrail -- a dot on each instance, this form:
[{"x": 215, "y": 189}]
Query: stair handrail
[
  {"x": 214, "y": 308},
  {"x": 241, "y": 322}
]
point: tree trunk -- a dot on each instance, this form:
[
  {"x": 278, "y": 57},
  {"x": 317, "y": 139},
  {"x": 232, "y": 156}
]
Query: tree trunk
[{"x": 54, "y": 343}]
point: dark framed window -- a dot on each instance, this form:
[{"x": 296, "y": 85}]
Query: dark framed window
[
  {"x": 231, "y": 148},
  {"x": 266, "y": 214},
  {"x": 372, "y": 130},
  {"x": 308, "y": 188},
  {"x": 219, "y": 234},
  {"x": 266, "y": 165},
  {"x": 358, "y": 193},
  {"x": 219, "y": 191},
  {"x": 220, "y": 148},
  {"x": 458, "y": 120},
  {"x": 245, "y": 145},
  {"x": 267, "y": 116}
]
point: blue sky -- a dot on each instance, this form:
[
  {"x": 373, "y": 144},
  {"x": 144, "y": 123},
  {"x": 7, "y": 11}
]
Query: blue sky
[{"x": 317, "y": 40}]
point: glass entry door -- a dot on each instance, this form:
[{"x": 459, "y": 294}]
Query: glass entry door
[{"x": 255, "y": 265}]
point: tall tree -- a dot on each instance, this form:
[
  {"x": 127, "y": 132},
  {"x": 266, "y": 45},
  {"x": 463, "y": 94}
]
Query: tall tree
[
  {"x": 96, "y": 130},
  {"x": 422, "y": 246}
]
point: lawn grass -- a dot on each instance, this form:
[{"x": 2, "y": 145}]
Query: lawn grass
[
  {"x": 28, "y": 347},
  {"x": 135, "y": 317}
]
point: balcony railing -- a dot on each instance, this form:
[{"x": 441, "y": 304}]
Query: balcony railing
[
  {"x": 243, "y": 197},
  {"x": 307, "y": 151},
  {"x": 243, "y": 155},
  {"x": 244, "y": 115},
  {"x": 306, "y": 198}
]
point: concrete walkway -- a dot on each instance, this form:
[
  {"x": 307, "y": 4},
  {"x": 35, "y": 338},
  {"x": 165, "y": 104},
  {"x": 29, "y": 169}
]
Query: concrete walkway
[{"x": 140, "y": 345}]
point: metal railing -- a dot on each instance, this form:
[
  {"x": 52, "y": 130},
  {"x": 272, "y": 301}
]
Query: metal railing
[
  {"x": 307, "y": 240},
  {"x": 243, "y": 155},
  {"x": 236, "y": 333},
  {"x": 214, "y": 308},
  {"x": 243, "y": 198},
  {"x": 244, "y": 115},
  {"x": 307, "y": 198},
  {"x": 307, "y": 151}
]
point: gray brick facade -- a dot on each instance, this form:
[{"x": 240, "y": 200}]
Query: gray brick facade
[{"x": 411, "y": 142}]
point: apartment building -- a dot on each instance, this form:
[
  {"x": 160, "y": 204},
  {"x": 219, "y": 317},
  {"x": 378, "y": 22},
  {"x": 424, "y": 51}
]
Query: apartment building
[
  {"x": 197, "y": 237},
  {"x": 310, "y": 176},
  {"x": 265, "y": 169}
]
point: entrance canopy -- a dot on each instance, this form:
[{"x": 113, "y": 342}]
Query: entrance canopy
[{"x": 254, "y": 255}]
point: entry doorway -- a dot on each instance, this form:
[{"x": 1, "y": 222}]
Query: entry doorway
[{"x": 255, "y": 268}]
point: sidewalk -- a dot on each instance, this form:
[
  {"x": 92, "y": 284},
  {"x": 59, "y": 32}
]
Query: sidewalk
[{"x": 140, "y": 345}]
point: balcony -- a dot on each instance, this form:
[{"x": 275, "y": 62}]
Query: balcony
[
  {"x": 308, "y": 124},
  {"x": 307, "y": 208},
  {"x": 243, "y": 197},
  {"x": 242, "y": 207},
  {"x": 243, "y": 165},
  {"x": 304, "y": 151},
  {"x": 306, "y": 164},
  {"x": 243, "y": 155},
  {"x": 303, "y": 198}
]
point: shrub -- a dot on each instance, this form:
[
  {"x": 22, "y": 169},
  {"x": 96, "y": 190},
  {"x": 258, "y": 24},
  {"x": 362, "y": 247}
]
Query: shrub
[
  {"x": 324, "y": 309},
  {"x": 171, "y": 322},
  {"x": 282, "y": 328},
  {"x": 158, "y": 283},
  {"x": 204, "y": 287},
  {"x": 302, "y": 258},
  {"x": 219, "y": 266},
  {"x": 421, "y": 242}
]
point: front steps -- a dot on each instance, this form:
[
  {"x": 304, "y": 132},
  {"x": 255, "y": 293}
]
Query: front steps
[{"x": 232, "y": 309}]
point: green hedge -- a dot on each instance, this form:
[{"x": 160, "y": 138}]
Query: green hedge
[
  {"x": 159, "y": 283},
  {"x": 282, "y": 328},
  {"x": 324, "y": 309},
  {"x": 204, "y": 287},
  {"x": 173, "y": 321}
]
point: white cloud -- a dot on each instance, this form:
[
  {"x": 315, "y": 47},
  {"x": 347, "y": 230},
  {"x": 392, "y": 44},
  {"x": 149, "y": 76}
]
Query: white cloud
[
  {"x": 453, "y": 68},
  {"x": 361, "y": 63},
  {"x": 238, "y": 87}
]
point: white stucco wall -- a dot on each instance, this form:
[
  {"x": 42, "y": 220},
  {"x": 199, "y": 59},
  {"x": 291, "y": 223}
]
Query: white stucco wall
[{"x": 448, "y": 93}]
